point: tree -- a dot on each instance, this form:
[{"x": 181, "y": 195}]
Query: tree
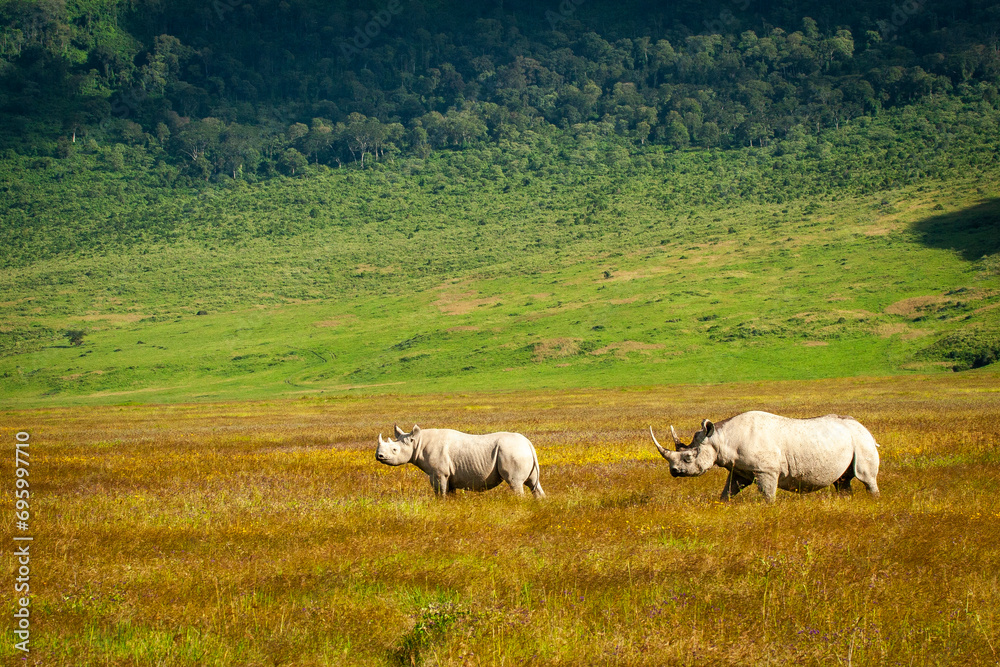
[
  {"x": 296, "y": 131},
  {"x": 463, "y": 127},
  {"x": 385, "y": 142},
  {"x": 199, "y": 137},
  {"x": 418, "y": 140},
  {"x": 318, "y": 139},
  {"x": 642, "y": 130},
  {"x": 677, "y": 133},
  {"x": 64, "y": 148},
  {"x": 363, "y": 134},
  {"x": 293, "y": 161},
  {"x": 162, "y": 133},
  {"x": 75, "y": 336},
  {"x": 239, "y": 149},
  {"x": 709, "y": 136}
]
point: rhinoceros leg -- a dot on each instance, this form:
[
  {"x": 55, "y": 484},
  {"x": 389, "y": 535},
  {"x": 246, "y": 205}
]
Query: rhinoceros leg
[
  {"x": 866, "y": 469},
  {"x": 440, "y": 484},
  {"x": 767, "y": 482},
  {"x": 517, "y": 472},
  {"x": 843, "y": 485},
  {"x": 735, "y": 483},
  {"x": 534, "y": 485},
  {"x": 516, "y": 479},
  {"x": 871, "y": 485}
]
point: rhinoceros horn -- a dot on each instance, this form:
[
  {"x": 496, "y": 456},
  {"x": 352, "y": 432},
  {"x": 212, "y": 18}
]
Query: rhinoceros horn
[
  {"x": 677, "y": 441},
  {"x": 665, "y": 453}
]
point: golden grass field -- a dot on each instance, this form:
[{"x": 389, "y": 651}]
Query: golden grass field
[{"x": 265, "y": 533}]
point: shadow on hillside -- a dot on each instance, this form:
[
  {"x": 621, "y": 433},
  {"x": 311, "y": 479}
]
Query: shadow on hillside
[{"x": 973, "y": 231}]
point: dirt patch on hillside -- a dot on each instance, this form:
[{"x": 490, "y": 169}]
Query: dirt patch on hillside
[
  {"x": 961, "y": 299},
  {"x": 534, "y": 317},
  {"x": 292, "y": 301},
  {"x": 463, "y": 328},
  {"x": 927, "y": 365},
  {"x": 622, "y": 349},
  {"x": 854, "y": 314},
  {"x": 647, "y": 271},
  {"x": 76, "y": 376},
  {"x": 983, "y": 309},
  {"x": 336, "y": 321},
  {"x": 716, "y": 253},
  {"x": 900, "y": 329},
  {"x": 348, "y": 387},
  {"x": 815, "y": 343},
  {"x": 110, "y": 317},
  {"x": 146, "y": 390},
  {"x": 463, "y": 303},
  {"x": 555, "y": 348},
  {"x": 910, "y": 307},
  {"x": 370, "y": 268}
]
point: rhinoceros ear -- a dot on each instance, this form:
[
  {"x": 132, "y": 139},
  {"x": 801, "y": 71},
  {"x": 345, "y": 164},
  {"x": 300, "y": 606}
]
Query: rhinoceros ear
[
  {"x": 415, "y": 431},
  {"x": 399, "y": 433},
  {"x": 708, "y": 427}
]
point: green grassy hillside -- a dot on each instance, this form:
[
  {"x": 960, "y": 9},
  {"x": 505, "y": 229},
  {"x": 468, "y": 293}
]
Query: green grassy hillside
[{"x": 432, "y": 276}]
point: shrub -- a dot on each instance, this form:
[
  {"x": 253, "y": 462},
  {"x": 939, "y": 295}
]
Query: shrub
[{"x": 972, "y": 348}]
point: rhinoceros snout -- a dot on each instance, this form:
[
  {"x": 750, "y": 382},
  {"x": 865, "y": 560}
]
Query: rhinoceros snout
[{"x": 674, "y": 473}]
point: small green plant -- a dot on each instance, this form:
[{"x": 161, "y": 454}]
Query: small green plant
[{"x": 433, "y": 622}]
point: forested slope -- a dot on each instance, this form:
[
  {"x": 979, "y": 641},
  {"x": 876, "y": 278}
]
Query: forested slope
[{"x": 250, "y": 89}]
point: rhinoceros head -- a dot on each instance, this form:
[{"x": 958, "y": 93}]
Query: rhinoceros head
[
  {"x": 689, "y": 460},
  {"x": 399, "y": 451}
]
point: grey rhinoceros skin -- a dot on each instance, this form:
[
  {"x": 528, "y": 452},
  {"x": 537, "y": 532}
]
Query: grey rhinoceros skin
[
  {"x": 455, "y": 460},
  {"x": 800, "y": 455}
]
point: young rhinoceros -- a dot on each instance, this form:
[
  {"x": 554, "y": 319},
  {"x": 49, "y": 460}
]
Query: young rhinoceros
[
  {"x": 455, "y": 460},
  {"x": 799, "y": 455}
]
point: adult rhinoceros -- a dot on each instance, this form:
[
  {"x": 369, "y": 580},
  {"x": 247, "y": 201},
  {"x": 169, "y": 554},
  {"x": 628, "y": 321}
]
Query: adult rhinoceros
[
  {"x": 799, "y": 455},
  {"x": 455, "y": 460}
]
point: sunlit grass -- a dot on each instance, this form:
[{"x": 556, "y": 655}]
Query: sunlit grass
[{"x": 266, "y": 533}]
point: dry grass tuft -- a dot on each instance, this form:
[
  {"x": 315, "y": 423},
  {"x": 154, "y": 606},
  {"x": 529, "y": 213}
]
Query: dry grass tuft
[
  {"x": 462, "y": 303},
  {"x": 555, "y": 348},
  {"x": 622, "y": 349}
]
